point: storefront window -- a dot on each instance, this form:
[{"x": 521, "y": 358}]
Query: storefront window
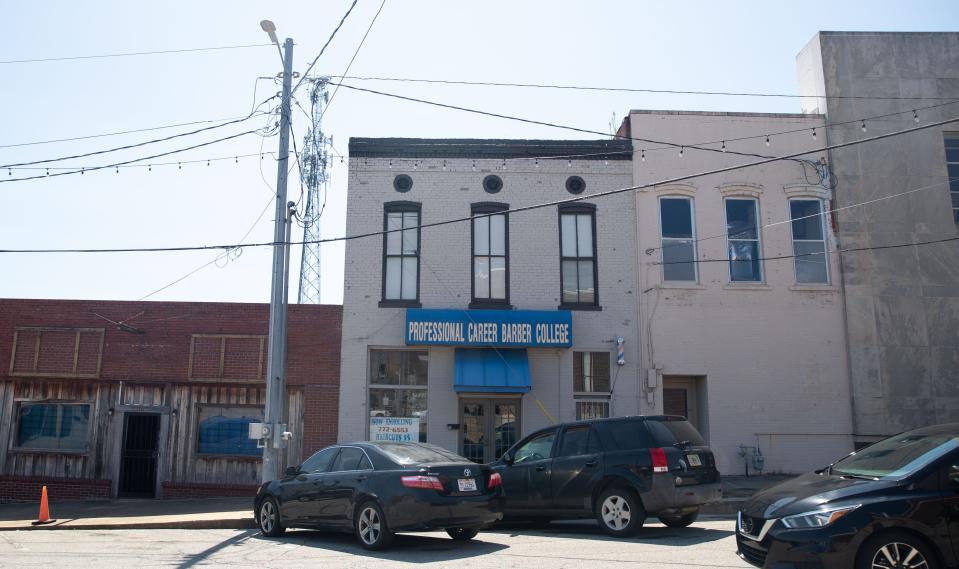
[
  {"x": 54, "y": 426},
  {"x": 226, "y": 431},
  {"x": 398, "y": 380}
]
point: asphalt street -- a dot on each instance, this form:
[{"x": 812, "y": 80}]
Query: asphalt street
[{"x": 705, "y": 544}]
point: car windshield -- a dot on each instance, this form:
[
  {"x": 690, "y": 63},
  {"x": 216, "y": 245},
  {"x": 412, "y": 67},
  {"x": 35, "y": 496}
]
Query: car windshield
[
  {"x": 413, "y": 454},
  {"x": 898, "y": 456}
]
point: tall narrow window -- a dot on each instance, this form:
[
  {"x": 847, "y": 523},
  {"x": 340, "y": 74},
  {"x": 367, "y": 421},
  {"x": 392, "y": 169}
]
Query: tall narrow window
[
  {"x": 809, "y": 242},
  {"x": 490, "y": 254},
  {"x": 742, "y": 235},
  {"x": 577, "y": 229},
  {"x": 952, "y": 168},
  {"x": 678, "y": 239},
  {"x": 401, "y": 252}
]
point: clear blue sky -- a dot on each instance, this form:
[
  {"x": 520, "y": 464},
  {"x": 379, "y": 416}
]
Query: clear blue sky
[{"x": 690, "y": 45}]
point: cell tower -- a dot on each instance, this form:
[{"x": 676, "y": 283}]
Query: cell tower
[{"x": 315, "y": 162}]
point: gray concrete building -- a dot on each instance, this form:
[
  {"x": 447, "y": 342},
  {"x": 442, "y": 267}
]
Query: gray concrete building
[
  {"x": 901, "y": 303},
  {"x": 472, "y": 334}
]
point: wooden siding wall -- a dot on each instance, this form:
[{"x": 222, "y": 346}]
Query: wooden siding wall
[{"x": 179, "y": 460}]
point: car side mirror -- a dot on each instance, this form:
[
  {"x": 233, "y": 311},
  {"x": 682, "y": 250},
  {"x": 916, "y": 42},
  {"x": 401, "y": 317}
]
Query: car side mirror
[
  {"x": 508, "y": 459},
  {"x": 292, "y": 470}
]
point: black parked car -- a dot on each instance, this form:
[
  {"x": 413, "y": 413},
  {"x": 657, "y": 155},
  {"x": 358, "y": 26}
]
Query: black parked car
[
  {"x": 894, "y": 504},
  {"x": 618, "y": 470},
  {"x": 377, "y": 488}
]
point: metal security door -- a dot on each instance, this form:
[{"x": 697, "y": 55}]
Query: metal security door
[{"x": 138, "y": 459}]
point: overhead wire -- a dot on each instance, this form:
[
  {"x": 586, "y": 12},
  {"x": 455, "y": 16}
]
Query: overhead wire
[
  {"x": 136, "y": 53},
  {"x": 352, "y": 59},
  {"x": 323, "y": 49},
  {"x": 517, "y": 209},
  {"x": 631, "y": 90},
  {"x": 140, "y": 144}
]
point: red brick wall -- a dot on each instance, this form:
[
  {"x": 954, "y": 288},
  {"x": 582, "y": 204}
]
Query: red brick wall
[
  {"x": 162, "y": 353},
  {"x": 176, "y": 491},
  {"x": 29, "y": 489}
]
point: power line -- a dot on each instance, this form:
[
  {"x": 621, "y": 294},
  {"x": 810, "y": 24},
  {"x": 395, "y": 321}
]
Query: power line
[
  {"x": 235, "y": 157},
  {"x": 661, "y": 143},
  {"x": 118, "y": 164},
  {"x": 139, "y": 144},
  {"x": 652, "y": 250},
  {"x": 573, "y": 199},
  {"x": 800, "y": 255},
  {"x": 352, "y": 59},
  {"x": 629, "y": 89},
  {"x": 136, "y": 53},
  {"x": 322, "y": 49}
]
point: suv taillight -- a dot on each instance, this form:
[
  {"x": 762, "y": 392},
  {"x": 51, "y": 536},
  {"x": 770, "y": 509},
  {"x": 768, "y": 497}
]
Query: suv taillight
[
  {"x": 427, "y": 482},
  {"x": 494, "y": 480},
  {"x": 659, "y": 460}
]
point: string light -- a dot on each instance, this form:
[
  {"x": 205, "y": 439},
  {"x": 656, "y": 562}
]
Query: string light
[
  {"x": 474, "y": 165},
  {"x": 681, "y": 148},
  {"x": 82, "y": 171},
  {"x": 414, "y": 164},
  {"x": 207, "y": 162},
  {"x": 236, "y": 159},
  {"x": 118, "y": 170},
  {"x": 48, "y": 171},
  {"x": 149, "y": 167},
  {"x": 179, "y": 166},
  {"x": 814, "y": 133},
  {"x": 391, "y": 164},
  {"x": 915, "y": 116},
  {"x": 444, "y": 164},
  {"x": 504, "y": 163},
  {"x": 643, "y": 155},
  {"x": 767, "y": 140},
  {"x": 537, "y": 163},
  {"x": 863, "y": 125},
  {"x": 724, "y": 146},
  {"x": 569, "y": 162}
]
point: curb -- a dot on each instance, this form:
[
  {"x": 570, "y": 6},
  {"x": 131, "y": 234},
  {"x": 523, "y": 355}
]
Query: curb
[{"x": 229, "y": 523}]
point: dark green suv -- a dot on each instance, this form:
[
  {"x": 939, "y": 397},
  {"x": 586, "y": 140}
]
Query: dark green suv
[{"x": 619, "y": 470}]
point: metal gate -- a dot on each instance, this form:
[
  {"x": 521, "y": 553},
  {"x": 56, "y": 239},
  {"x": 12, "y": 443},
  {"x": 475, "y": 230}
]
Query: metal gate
[{"x": 138, "y": 459}]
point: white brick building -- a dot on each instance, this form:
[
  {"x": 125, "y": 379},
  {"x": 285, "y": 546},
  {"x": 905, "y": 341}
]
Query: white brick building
[{"x": 385, "y": 373}]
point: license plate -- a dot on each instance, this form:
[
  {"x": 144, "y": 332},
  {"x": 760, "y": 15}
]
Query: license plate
[
  {"x": 694, "y": 460},
  {"x": 467, "y": 484}
]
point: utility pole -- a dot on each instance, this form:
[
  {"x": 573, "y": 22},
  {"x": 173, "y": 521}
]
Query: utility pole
[{"x": 276, "y": 404}]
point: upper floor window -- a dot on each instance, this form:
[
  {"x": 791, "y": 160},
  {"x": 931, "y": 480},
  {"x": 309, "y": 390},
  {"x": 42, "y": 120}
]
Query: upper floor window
[
  {"x": 490, "y": 254},
  {"x": 578, "y": 270},
  {"x": 809, "y": 242},
  {"x": 952, "y": 168},
  {"x": 742, "y": 236},
  {"x": 678, "y": 239},
  {"x": 401, "y": 251}
]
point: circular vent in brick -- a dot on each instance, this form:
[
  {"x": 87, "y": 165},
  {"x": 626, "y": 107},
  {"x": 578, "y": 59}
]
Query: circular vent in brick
[
  {"x": 492, "y": 184},
  {"x": 402, "y": 183},
  {"x": 575, "y": 185}
]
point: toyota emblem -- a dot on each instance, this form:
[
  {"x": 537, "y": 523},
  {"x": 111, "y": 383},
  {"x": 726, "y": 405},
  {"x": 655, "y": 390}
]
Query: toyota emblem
[{"x": 467, "y": 472}]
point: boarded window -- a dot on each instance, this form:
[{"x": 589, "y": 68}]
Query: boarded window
[
  {"x": 219, "y": 357},
  {"x": 226, "y": 430},
  {"x": 57, "y": 352}
]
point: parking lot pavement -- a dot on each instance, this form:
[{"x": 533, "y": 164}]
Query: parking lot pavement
[{"x": 705, "y": 544}]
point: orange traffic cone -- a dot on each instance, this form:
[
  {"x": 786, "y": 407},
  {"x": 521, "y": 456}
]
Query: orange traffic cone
[{"x": 44, "y": 517}]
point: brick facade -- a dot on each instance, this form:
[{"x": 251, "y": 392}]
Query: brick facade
[
  {"x": 165, "y": 358},
  {"x": 29, "y": 489}
]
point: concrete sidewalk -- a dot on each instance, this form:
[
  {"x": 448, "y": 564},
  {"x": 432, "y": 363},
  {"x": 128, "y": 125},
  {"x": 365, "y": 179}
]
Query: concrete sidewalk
[
  {"x": 214, "y": 513},
  {"x": 237, "y": 513}
]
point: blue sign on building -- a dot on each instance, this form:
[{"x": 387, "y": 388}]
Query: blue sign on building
[{"x": 499, "y": 328}]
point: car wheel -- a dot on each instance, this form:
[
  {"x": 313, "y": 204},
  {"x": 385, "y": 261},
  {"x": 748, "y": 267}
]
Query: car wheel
[
  {"x": 620, "y": 512},
  {"x": 895, "y": 549},
  {"x": 268, "y": 518},
  {"x": 463, "y": 534},
  {"x": 370, "y": 526},
  {"x": 680, "y": 521}
]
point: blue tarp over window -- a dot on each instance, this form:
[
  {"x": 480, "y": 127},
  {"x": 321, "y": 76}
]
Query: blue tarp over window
[{"x": 491, "y": 370}]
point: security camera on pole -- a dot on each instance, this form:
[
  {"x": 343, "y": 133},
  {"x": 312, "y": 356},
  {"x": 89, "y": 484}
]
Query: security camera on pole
[{"x": 272, "y": 433}]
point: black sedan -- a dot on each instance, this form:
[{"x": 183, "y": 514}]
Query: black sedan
[
  {"x": 375, "y": 489},
  {"x": 894, "y": 504}
]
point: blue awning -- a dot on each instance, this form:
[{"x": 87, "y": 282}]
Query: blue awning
[{"x": 489, "y": 370}]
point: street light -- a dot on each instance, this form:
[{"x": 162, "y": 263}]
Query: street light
[{"x": 270, "y": 28}]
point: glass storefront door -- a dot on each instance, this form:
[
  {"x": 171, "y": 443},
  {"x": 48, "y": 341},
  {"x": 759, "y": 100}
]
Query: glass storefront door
[{"x": 488, "y": 427}]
